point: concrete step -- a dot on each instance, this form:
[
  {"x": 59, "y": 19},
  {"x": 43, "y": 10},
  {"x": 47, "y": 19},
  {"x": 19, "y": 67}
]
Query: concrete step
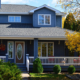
[{"x": 22, "y": 67}]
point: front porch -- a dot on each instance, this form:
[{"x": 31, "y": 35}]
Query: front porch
[{"x": 50, "y": 52}]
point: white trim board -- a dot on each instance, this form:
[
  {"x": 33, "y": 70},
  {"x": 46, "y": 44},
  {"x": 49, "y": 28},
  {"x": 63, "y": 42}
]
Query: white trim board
[{"x": 21, "y": 38}]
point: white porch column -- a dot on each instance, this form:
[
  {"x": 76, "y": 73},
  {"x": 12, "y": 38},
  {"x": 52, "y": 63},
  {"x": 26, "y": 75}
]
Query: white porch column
[{"x": 27, "y": 62}]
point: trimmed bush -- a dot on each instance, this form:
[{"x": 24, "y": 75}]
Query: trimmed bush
[
  {"x": 10, "y": 71},
  {"x": 71, "y": 69},
  {"x": 57, "y": 69},
  {"x": 37, "y": 66}
]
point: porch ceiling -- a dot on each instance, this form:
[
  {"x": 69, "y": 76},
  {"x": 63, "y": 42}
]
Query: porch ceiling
[{"x": 27, "y": 31}]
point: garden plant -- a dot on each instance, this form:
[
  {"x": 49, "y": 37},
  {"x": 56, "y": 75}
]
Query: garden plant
[
  {"x": 57, "y": 69},
  {"x": 37, "y": 66},
  {"x": 9, "y": 71}
]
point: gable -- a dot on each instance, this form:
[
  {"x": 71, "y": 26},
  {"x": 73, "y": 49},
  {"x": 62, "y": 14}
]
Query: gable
[
  {"x": 48, "y": 7},
  {"x": 44, "y": 11}
]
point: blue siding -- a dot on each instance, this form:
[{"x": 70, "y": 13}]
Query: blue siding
[
  {"x": 30, "y": 47},
  {"x": 3, "y": 18},
  {"x": 27, "y": 19},
  {"x": 24, "y": 19},
  {"x": 59, "y": 49},
  {"x": 59, "y": 21},
  {"x": 44, "y": 11},
  {"x": 49, "y": 68}
]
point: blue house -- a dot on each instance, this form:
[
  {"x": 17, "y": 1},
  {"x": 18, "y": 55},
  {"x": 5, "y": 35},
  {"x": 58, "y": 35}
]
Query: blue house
[{"x": 28, "y": 32}]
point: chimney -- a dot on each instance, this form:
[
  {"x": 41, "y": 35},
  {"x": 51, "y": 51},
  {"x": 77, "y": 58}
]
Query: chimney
[{"x": 0, "y": 3}]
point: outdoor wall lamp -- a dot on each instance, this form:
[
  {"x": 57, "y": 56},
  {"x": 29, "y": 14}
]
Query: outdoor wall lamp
[{"x": 59, "y": 42}]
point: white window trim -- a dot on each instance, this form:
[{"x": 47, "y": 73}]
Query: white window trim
[
  {"x": 44, "y": 19},
  {"x": 14, "y": 19},
  {"x": 8, "y": 50},
  {"x": 47, "y": 48}
]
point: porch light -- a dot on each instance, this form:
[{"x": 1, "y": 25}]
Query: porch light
[
  {"x": 30, "y": 41},
  {"x": 59, "y": 42}
]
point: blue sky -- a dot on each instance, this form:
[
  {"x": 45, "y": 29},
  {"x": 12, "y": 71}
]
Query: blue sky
[{"x": 36, "y": 3}]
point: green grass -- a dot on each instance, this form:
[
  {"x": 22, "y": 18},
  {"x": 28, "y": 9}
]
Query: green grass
[{"x": 47, "y": 76}]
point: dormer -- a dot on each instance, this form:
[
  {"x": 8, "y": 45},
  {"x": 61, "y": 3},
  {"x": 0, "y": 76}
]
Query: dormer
[{"x": 46, "y": 16}]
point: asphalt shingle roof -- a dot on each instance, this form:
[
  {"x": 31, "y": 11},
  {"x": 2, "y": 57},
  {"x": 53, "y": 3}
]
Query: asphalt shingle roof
[
  {"x": 15, "y": 8},
  {"x": 29, "y": 31}
]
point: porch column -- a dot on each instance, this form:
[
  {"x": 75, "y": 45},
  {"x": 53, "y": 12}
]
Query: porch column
[
  {"x": 35, "y": 48},
  {"x": 27, "y": 62},
  {"x": 6, "y": 57}
]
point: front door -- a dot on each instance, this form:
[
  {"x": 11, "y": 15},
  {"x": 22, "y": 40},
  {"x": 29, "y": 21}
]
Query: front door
[{"x": 19, "y": 52}]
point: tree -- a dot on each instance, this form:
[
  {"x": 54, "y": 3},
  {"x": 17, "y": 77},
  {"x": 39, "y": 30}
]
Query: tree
[
  {"x": 78, "y": 25},
  {"x": 71, "y": 6},
  {"x": 73, "y": 41},
  {"x": 70, "y": 22},
  {"x": 63, "y": 19}
]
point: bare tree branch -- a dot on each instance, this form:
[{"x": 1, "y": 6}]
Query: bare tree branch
[{"x": 71, "y": 6}]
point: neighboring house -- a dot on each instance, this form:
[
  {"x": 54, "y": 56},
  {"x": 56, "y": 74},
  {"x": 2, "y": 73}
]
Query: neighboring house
[{"x": 36, "y": 31}]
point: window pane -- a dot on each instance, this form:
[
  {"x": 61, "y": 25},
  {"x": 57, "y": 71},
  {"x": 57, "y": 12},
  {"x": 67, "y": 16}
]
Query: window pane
[
  {"x": 11, "y": 18},
  {"x": 41, "y": 19},
  {"x": 19, "y": 51},
  {"x": 44, "y": 48},
  {"x": 39, "y": 49},
  {"x": 17, "y": 19},
  {"x": 10, "y": 49},
  {"x": 50, "y": 49},
  {"x": 47, "y": 19}
]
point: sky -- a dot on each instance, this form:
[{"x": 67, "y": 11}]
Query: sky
[{"x": 37, "y": 3}]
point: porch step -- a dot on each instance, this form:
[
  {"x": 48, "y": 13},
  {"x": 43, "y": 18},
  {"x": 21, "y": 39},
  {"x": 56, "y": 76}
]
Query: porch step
[{"x": 22, "y": 67}]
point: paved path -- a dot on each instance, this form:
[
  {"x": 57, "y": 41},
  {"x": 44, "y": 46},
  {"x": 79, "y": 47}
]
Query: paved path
[{"x": 25, "y": 76}]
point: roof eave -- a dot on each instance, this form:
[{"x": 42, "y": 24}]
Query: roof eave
[
  {"x": 56, "y": 11},
  {"x": 32, "y": 37}
]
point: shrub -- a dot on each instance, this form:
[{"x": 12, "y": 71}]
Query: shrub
[
  {"x": 37, "y": 66},
  {"x": 9, "y": 71},
  {"x": 57, "y": 69},
  {"x": 71, "y": 69}
]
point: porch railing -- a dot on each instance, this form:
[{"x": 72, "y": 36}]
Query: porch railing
[
  {"x": 64, "y": 61},
  {"x": 3, "y": 58}
]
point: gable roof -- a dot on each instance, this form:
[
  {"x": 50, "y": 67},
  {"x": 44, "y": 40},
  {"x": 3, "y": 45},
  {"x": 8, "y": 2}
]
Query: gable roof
[
  {"x": 15, "y": 8},
  {"x": 23, "y": 9},
  {"x": 48, "y": 7},
  {"x": 28, "y": 31}
]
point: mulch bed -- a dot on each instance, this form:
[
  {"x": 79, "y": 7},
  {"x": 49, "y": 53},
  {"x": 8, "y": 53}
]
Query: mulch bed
[{"x": 74, "y": 76}]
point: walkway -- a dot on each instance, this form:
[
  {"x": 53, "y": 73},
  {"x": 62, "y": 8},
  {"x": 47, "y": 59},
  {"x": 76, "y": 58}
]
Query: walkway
[{"x": 25, "y": 76}]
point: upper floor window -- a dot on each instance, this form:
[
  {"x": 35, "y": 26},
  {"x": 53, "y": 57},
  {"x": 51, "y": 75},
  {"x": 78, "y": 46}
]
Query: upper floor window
[
  {"x": 44, "y": 19},
  {"x": 14, "y": 19}
]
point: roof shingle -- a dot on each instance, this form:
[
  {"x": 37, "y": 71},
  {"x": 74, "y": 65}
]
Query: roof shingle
[
  {"x": 29, "y": 31},
  {"x": 15, "y": 8}
]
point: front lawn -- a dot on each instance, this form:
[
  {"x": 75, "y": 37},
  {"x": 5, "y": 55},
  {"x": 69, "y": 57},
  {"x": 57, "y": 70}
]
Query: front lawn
[{"x": 48, "y": 76}]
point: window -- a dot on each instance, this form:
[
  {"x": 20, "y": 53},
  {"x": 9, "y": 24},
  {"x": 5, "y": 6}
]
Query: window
[
  {"x": 44, "y": 19},
  {"x": 45, "y": 49},
  {"x": 10, "y": 49},
  {"x": 14, "y": 19}
]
